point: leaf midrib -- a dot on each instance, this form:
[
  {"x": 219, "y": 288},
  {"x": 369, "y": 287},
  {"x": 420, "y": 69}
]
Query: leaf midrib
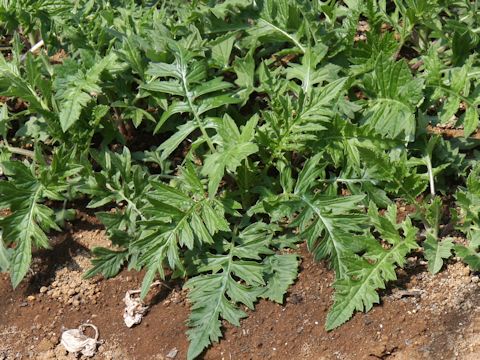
[
  {"x": 331, "y": 232},
  {"x": 376, "y": 267}
]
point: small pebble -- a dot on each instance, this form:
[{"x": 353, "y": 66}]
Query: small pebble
[
  {"x": 31, "y": 298},
  {"x": 43, "y": 289}
]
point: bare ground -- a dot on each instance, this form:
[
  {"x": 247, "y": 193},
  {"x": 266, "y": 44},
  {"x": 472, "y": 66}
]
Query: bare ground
[{"x": 422, "y": 316}]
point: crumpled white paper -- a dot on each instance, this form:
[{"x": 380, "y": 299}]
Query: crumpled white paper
[
  {"x": 135, "y": 308},
  {"x": 75, "y": 341}
]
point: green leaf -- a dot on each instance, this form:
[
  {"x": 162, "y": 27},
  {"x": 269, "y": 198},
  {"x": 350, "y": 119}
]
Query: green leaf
[
  {"x": 311, "y": 170},
  {"x": 468, "y": 200},
  {"x": 215, "y": 293},
  {"x": 21, "y": 259},
  {"x": 5, "y": 255},
  {"x": 75, "y": 91},
  {"x": 307, "y": 71},
  {"x": 4, "y": 120},
  {"x": 394, "y": 96},
  {"x": 204, "y": 317},
  {"x": 245, "y": 70},
  {"x": 173, "y": 108},
  {"x": 187, "y": 78},
  {"x": 470, "y": 121},
  {"x": 281, "y": 272},
  {"x": 18, "y": 86},
  {"x": 295, "y": 125},
  {"x": 106, "y": 262},
  {"x": 331, "y": 225},
  {"x": 234, "y": 147},
  {"x": 25, "y": 226},
  {"x": 265, "y": 27},
  {"x": 169, "y": 146},
  {"x": 74, "y": 101},
  {"x": 221, "y": 52},
  {"x": 174, "y": 218},
  {"x": 366, "y": 274},
  {"x": 436, "y": 251},
  {"x": 293, "y": 112},
  {"x": 458, "y": 88},
  {"x": 167, "y": 87},
  {"x": 393, "y": 171},
  {"x": 332, "y": 228},
  {"x": 470, "y": 254}
]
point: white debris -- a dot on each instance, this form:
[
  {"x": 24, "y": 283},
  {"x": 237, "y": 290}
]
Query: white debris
[
  {"x": 135, "y": 309},
  {"x": 75, "y": 341},
  {"x": 173, "y": 353},
  {"x": 34, "y": 48}
]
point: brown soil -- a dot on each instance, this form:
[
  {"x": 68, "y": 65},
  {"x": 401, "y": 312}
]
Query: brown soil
[
  {"x": 421, "y": 317},
  {"x": 451, "y": 133}
]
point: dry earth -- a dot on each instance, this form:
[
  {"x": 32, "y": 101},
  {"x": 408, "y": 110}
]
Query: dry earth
[{"x": 422, "y": 316}]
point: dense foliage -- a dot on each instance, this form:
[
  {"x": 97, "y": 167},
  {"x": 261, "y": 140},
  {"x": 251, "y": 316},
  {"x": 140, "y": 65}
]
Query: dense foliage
[{"x": 213, "y": 137}]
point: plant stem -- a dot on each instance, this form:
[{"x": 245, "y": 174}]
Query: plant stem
[
  {"x": 194, "y": 110},
  {"x": 19, "y": 151},
  {"x": 430, "y": 176},
  {"x": 129, "y": 202},
  {"x": 348, "y": 181},
  {"x": 164, "y": 176},
  {"x": 34, "y": 48},
  {"x": 286, "y": 34}
]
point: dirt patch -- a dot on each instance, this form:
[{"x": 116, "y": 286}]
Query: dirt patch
[
  {"x": 422, "y": 316},
  {"x": 68, "y": 286},
  {"x": 451, "y": 133}
]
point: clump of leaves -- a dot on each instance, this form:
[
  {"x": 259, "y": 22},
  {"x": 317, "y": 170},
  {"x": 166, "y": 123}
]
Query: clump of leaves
[
  {"x": 29, "y": 185},
  {"x": 213, "y": 138},
  {"x": 468, "y": 200}
]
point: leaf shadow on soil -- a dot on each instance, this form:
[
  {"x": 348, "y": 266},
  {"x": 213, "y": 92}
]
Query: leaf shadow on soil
[
  {"x": 167, "y": 287},
  {"x": 60, "y": 255}
]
